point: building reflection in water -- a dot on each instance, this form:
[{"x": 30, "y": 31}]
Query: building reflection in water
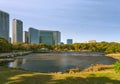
[{"x": 17, "y": 63}]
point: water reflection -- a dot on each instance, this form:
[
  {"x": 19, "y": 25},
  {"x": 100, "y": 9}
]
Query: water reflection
[
  {"x": 57, "y": 62},
  {"x": 17, "y": 63}
]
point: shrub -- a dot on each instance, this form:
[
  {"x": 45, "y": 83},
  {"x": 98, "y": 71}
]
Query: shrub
[
  {"x": 72, "y": 70},
  {"x": 117, "y": 66},
  {"x": 97, "y": 67}
]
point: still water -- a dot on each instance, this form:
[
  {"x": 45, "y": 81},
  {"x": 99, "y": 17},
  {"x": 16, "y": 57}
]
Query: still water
[{"x": 58, "y": 62}]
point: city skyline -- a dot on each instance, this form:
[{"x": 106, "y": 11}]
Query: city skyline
[{"x": 81, "y": 20}]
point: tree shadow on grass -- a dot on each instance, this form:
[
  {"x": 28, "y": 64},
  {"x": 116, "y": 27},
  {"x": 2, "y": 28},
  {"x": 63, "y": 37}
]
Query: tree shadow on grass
[
  {"x": 33, "y": 79},
  {"x": 37, "y": 78},
  {"x": 89, "y": 80},
  {"x": 9, "y": 76},
  {"x": 14, "y": 76}
]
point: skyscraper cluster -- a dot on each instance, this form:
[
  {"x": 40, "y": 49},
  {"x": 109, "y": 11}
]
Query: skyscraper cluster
[{"x": 31, "y": 36}]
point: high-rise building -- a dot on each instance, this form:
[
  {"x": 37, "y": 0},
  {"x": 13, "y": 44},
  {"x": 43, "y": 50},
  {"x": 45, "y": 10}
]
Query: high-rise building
[
  {"x": 17, "y": 31},
  {"x": 25, "y": 37},
  {"x": 33, "y": 35},
  {"x": 4, "y": 25},
  {"x": 69, "y": 41},
  {"x": 57, "y": 37},
  {"x": 44, "y": 36}
]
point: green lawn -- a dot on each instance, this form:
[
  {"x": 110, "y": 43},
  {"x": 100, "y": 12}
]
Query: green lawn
[{"x": 12, "y": 76}]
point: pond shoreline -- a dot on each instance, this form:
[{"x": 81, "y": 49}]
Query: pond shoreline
[
  {"x": 14, "y": 54},
  {"x": 58, "y": 62}
]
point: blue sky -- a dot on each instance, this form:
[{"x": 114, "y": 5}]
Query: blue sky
[{"x": 80, "y": 20}]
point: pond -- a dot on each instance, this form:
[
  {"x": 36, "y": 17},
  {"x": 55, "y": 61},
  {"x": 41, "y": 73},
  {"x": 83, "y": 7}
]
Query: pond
[{"x": 59, "y": 62}]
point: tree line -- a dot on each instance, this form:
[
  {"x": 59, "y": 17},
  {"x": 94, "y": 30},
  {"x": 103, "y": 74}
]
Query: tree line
[{"x": 108, "y": 47}]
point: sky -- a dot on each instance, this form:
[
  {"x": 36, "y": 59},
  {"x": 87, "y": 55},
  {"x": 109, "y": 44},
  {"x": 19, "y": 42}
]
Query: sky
[{"x": 80, "y": 20}]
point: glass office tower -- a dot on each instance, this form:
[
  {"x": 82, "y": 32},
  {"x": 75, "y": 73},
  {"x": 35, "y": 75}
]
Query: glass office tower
[
  {"x": 25, "y": 37},
  {"x": 44, "y": 36},
  {"x": 57, "y": 37},
  {"x": 17, "y": 31},
  {"x": 4, "y": 25},
  {"x": 69, "y": 41},
  {"x": 33, "y": 35}
]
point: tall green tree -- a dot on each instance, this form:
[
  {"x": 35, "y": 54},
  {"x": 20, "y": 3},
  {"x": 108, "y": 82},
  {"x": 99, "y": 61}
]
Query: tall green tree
[{"x": 5, "y": 46}]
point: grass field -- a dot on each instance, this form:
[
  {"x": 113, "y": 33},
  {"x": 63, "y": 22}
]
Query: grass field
[
  {"x": 113, "y": 54},
  {"x": 13, "y": 76}
]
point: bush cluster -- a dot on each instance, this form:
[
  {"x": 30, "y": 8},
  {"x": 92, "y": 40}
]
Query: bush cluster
[
  {"x": 72, "y": 70},
  {"x": 97, "y": 67},
  {"x": 5, "y": 46},
  {"x": 117, "y": 66}
]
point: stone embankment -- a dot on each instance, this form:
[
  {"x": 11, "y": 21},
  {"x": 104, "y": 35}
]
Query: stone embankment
[
  {"x": 14, "y": 54},
  {"x": 9, "y": 57},
  {"x": 4, "y": 61}
]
